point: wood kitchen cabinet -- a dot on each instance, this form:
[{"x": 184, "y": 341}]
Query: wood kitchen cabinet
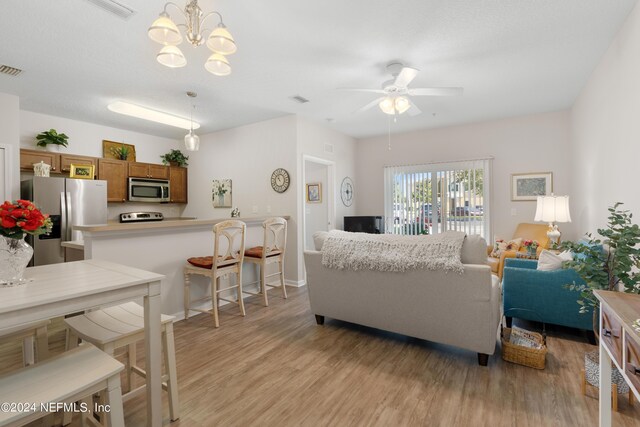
[
  {"x": 29, "y": 157},
  {"x": 178, "y": 184},
  {"x": 115, "y": 173},
  {"x": 66, "y": 160},
  {"x": 148, "y": 170}
]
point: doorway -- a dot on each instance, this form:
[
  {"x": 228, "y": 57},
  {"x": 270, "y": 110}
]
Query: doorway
[{"x": 319, "y": 197}]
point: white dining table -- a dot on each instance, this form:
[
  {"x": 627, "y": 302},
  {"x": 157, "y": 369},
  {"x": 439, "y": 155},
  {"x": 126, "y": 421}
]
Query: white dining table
[{"x": 59, "y": 289}]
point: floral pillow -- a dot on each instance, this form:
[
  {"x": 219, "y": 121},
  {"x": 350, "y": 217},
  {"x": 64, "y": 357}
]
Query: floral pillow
[{"x": 500, "y": 246}]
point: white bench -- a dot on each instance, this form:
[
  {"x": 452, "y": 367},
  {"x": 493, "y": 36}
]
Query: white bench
[
  {"x": 67, "y": 378},
  {"x": 30, "y": 333}
]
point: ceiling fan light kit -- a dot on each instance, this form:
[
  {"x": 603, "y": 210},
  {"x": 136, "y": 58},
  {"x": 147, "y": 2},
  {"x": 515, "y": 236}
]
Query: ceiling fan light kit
[{"x": 165, "y": 32}]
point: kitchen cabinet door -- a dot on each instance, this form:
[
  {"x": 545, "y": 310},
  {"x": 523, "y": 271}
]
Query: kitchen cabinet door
[
  {"x": 29, "y": 157},
  {"x": 115, "y": 172},
  {"x": 138, "y": 170},
  {"x": 158, "y": 171},
  {"x": 178, "y": 184},
  {"x": 66, "y": 160}
]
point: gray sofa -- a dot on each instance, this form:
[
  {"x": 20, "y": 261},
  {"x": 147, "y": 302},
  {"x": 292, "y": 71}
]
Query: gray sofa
[{"x": 462, "y": 310}]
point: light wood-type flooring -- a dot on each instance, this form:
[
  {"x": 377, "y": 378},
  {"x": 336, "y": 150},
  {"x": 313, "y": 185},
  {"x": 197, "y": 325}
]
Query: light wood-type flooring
[{"x": 276, "y": 367}]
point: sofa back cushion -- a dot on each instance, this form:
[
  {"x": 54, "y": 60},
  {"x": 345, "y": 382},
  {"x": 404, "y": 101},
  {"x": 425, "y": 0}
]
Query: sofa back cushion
[
  {"x": 318, "y": 239},
  {"x": 537, "y": 232}
]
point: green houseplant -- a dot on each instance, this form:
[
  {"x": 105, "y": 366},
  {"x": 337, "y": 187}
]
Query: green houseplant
[
  {"x": 615, "y": 268},
  {"x": 121, "y": 153},
  {"x": 51, "y": 137},
  {"x": 175, "y": 158}
]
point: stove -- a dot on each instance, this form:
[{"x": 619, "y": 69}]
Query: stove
[{"x": 141, "y": 216}]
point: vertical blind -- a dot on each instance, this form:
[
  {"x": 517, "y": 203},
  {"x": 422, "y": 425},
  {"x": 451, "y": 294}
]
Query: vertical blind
[{"x": 437, "y": 197}]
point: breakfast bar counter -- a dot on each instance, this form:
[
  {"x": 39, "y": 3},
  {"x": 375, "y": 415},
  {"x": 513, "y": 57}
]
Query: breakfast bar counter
[{"x": 164, "y": 246}]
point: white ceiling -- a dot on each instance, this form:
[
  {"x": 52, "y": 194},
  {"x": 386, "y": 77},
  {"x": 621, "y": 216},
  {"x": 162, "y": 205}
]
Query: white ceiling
[{"x": 513, "y": 57}]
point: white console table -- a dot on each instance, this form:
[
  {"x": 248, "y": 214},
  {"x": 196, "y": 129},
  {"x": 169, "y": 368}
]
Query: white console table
[
  {"x": 619, "y": 343},
  {"x": 59, "y": 289}
]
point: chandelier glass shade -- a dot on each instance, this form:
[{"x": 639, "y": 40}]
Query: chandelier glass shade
[
  {"x": 394, "y": 105},
  {"x": 165, "y": 32},
  {"x": 191, "y": 141}
]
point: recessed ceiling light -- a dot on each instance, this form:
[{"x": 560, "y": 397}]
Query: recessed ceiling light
[{"x": 133, "y": 110}]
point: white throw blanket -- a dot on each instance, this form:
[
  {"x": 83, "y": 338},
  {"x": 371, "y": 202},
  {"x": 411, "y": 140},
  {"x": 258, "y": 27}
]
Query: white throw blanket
[{"x": 390, "y": 252}]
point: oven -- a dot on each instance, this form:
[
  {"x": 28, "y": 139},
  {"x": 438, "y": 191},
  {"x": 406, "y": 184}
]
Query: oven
[{"x": 148, "y": 190}]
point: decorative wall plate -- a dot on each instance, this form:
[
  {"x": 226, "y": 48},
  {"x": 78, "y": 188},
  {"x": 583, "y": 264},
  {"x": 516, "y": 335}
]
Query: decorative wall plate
[
  {"x": 280, "y": 180},
  {"x": 346, "y": 191}
]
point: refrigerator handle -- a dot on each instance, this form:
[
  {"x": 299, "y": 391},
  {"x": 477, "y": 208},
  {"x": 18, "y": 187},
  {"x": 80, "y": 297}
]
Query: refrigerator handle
[
  {"x": 63, "y": 217},
  {"x": 70, "y": 217}
]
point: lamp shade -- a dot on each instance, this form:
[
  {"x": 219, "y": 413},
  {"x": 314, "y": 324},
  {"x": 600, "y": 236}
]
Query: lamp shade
[
  {"x": 553, "y": 209},
  {"x": 218, "y": 65},
  {"x": 387, "y": 106},
  {"x": 191, "y": 141},
  {"x": 402, "y": 104},
  {"x": 164, "y": 31},
  {"x": 171, "y": 57},
  {"x": 220, "y": 41}
]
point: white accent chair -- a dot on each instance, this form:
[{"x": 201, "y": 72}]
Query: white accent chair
[
  {"x": 271, "y": 252},
  {"x": 123, "y": 326},
  {"x": 227, "y": 260}
]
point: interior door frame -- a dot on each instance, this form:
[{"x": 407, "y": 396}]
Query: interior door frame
[
  {"x": 331, "y": 193},
  {"x": 8, "y": 171}
]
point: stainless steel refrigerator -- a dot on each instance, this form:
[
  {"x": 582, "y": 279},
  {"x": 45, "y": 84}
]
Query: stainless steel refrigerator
[{"x": 69, "y": 202}]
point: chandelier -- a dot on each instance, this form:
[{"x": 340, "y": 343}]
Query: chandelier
[{"x": 165, "y": 31}]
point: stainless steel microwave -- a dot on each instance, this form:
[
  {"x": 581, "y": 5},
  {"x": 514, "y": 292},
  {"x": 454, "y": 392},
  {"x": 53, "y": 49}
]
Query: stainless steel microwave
[{"x": 148, "y": 190}]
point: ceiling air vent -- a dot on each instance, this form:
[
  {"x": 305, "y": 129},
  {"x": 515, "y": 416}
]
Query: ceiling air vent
[
  {"x": 115, "y": 7},
  {"x": 300, "y": 99},
  {"x": 5, "y": 69}
]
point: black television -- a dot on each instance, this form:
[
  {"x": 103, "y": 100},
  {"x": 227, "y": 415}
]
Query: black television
[{"x": 364, "y": 224}]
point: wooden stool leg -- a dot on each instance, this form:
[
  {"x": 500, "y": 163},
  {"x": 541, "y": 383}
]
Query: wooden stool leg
[
  {"x": 187, "y": 295},
  {"x": 72, "y": 340},
  {"x": 631, "y": 398},
  {"x": 263, "y": 286},
  {"x": 214, "y": 300},
  {"x": 583, "y": 382},
  {"x": 614, "y": 395},
  {"x": 170, "y": 366},
  {"x": 114, "y": 400},
  {"x": 132, "y": 358},
  {"x": 284, "y": 288},
  {"x": 240, "y": 299},
  {"x": 42, "y": 343},
  {"x": 28, "y": 357}
]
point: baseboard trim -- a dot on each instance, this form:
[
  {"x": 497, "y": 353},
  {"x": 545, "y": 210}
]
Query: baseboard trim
[{"x": 295, "y": 283}]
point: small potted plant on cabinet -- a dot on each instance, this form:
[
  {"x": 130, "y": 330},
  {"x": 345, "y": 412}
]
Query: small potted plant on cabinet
[
  {"x": 175, "y": 158},
  {"x": 51, "y": 138}
]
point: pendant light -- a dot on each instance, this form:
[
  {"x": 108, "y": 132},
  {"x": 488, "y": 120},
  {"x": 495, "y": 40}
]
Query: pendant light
[{"x": 191, "y": 140}]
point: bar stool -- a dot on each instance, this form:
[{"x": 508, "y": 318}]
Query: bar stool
[
  {"x": 30, "y": 334},
  {"x": 271, "y": 252},
  {"x": 123, "y": 326},
  {"x": 218, "y": 266}
]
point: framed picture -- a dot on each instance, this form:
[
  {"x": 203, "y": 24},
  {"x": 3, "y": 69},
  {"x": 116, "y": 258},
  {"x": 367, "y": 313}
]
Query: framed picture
[
  {"x": 221, "y": 193},
  {"x": 82, "y": 171},
  {"x": 118, "y": 151},
  {"x": 314, "y": 193},
  {"x": 528, "y": 186}
]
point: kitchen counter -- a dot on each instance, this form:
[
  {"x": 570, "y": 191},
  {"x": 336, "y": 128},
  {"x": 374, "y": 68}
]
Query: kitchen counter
[
  {"x": 115, "y": 226},
  {"x": 73, "y": 244}
]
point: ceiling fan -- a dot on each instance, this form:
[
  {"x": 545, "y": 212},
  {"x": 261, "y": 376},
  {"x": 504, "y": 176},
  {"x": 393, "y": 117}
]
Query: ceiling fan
[{"x": 397, "y": 95}]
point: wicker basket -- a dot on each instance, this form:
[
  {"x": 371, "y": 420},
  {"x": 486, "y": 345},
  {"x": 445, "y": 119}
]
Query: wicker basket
[{"x": 531, "y": 357}]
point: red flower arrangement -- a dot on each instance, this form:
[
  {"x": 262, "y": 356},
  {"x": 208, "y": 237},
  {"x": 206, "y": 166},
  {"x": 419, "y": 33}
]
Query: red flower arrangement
[
  {"x": 21, "y": 217},
  {"x": 530, "y": 243}
]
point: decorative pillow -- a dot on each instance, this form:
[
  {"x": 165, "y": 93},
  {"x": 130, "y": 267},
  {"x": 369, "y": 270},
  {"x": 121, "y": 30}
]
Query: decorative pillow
[
  {"x": 474, "y": 250},
  {"x": 500, "y": 246},
  {"x": 550, "y": 261},
  {"x": 318, "y": 239}
]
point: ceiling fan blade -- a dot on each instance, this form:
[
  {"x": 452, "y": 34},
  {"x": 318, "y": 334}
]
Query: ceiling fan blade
[
  {"x": 414, "y": 110},
  {"x": 355, "y": 89},
  {"x": 370, "y": 105},
  {"x": 406, "y": 76},
  {"x": 436, "y": 91}
]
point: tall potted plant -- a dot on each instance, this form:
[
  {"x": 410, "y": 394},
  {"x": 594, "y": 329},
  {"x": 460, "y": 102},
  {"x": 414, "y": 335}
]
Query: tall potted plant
[{"x": 610, "y": 263}]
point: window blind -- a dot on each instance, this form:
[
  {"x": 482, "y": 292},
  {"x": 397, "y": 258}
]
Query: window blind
[{"x": 437, "y": 197}]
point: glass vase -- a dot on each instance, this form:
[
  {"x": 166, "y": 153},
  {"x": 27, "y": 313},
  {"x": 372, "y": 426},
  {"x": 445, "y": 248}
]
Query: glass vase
[{"x": 15, "y": 254}]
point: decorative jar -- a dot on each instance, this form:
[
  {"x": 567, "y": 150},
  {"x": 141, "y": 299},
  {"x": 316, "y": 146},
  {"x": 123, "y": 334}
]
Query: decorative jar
[{"x": 15, "y": 255}]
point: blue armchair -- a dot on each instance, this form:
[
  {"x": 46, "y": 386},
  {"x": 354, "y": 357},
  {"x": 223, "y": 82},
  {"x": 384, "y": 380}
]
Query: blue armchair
[{"x": 542, "y": 295}]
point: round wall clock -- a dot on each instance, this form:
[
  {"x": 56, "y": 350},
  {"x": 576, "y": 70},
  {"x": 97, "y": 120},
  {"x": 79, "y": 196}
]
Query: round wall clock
[
  {"x": 280, "y": 180},
  {"x": 346, "y": 191}
]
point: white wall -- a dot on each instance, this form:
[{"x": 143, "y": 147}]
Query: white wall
[
  {"x": 605, "y": 133},
  {"x": 86, "y": 139},
  {"x": 248, "y": 155},
  {"x": 316, "y": 214},
  {"x": 535, "y": 143},
  {"x": 10, "y": 137}
]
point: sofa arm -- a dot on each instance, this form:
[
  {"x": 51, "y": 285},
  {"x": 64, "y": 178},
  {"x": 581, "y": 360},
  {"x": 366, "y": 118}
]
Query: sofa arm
[{"x": 529, "y": 264}]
